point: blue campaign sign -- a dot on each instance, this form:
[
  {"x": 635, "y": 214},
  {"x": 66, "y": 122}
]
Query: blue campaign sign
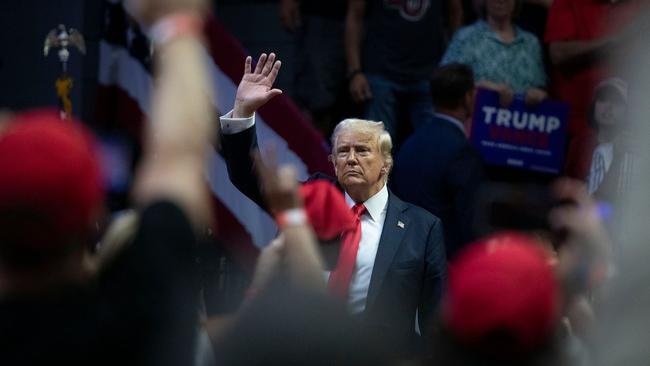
[{"x": 518, "y": 136}]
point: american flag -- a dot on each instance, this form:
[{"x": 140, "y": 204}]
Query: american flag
[{"x": 125, "y": 85}]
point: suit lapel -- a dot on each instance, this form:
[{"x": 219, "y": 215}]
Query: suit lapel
[{"x": 392, "y": 234}]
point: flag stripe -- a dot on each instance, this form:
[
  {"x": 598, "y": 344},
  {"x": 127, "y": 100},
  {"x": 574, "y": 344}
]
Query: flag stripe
[
  {"x": 116, "y": 109},
  {"x": 118, "y": 67}
]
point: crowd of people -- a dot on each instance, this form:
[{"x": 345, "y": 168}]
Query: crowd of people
[
  {"x": 387, "y": 261},
  {"x": 527, "y": 49}
]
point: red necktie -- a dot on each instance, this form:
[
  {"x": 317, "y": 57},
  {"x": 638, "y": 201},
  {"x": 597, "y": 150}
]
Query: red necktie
[{"x": 339, "y": 282}]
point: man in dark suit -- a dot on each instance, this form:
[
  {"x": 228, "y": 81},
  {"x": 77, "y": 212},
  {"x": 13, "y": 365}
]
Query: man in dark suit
[
  {"x": 436, "y": 167},
  {"x": 392, "y": 266}
]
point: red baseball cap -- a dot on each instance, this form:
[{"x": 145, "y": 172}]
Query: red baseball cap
[
  {"x": 50, "y": 180},
  {"x": 503, "y": 296}
]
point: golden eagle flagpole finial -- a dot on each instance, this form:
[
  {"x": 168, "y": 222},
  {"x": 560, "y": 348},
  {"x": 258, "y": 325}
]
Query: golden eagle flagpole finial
[{"x": 63, "y": 38}]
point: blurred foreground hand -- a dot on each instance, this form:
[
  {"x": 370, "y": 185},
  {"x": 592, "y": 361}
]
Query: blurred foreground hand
[{"x": 150, "y": 11}]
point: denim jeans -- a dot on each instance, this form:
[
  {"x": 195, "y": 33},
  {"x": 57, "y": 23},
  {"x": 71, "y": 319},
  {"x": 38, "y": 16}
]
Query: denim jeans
[{"x": 386, "y": 98}]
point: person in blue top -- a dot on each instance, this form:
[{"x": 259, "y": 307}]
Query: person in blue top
[{"x": 504, "y": 57}]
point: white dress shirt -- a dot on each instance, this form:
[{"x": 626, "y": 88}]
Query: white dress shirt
[
  {"x": 231, "y": 126},
  {"x": 372, "y": 223}
]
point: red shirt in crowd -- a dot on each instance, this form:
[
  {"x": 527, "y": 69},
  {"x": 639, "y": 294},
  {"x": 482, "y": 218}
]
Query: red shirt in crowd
[{"x": 583, "y": 20}]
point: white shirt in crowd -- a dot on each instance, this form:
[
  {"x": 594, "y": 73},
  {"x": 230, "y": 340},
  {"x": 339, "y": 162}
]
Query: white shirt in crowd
[{"x": 601, "y": 160}]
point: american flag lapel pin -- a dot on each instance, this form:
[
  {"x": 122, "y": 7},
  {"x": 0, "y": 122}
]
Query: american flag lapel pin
[{"x": 400, "y": 224}]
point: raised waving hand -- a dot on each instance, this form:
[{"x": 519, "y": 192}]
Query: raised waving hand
[{"x": 256, "y": 86}]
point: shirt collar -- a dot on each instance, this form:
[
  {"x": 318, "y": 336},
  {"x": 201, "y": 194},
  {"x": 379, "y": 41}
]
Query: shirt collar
[
  {"x": 375, "y": 205},
  {"x": 451, "y": 120}
]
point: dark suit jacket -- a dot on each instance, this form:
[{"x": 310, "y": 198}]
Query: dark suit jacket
[
  {"x": 410, "y": 267},
  {"x": 439, "y": 170}
]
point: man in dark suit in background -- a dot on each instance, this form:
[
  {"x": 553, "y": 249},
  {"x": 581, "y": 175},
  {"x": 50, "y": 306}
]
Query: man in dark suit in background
[
  {"x": 436, "y": 167},
  {"x": 392, "y": 266}
]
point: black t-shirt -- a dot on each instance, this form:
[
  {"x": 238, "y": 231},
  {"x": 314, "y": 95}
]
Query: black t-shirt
[
  {"x": 335, "y": 9},
  {"x": 142, "y": 310},
  {"x": 404, "y": 39},
  {"x": 533, "y": 19}
]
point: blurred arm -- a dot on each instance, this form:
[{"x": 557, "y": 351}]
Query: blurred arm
[
  {"x": 577, "y": 53},
  {"x": 455, "y": 16},
  {"x": 180, "y": 131},
  {"x": 303, "y": 262},
  {"x": 353, "y": 29},
  {"x": 358, "y": 83}
]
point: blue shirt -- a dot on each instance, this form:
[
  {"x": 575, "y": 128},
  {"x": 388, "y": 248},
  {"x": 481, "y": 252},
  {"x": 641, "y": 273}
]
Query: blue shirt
[{"x": 518, "y": 64}]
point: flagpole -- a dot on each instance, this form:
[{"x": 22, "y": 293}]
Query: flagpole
[{"x": 63, "y": 38}]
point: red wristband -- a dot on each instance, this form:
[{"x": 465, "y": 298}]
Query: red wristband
[
  {"x": 174, "y": 26},
  {"x": 291, "y": 217}
]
